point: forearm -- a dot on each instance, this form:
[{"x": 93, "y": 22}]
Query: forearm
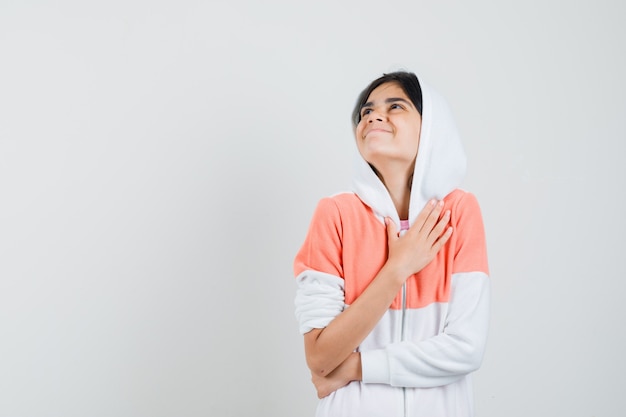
[
  {"x": 327, "y": 348},
  {"x": 442, "y": 358},
  {"x": 348, "y": 371}
]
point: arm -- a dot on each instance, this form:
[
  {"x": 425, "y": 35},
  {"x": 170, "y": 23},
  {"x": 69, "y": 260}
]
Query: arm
[
  {"x": 437, "y": 361},
  {"x": 458, "y": 349},
  {"x": 446, "y": 357},
  {"x": 328, "y": 347},
  {"x": 349, "y": 370}
]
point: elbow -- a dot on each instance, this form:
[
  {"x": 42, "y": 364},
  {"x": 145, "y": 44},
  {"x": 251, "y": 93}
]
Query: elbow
[
  {"x": 475, "y": 358},
  {"x": 472, "y": 353},
  {"x": 474, "y": 361},
  {"x": 318, "y": 365},
  {"x": 478, "y": 352},
  {"x": 319, "y": 359}
]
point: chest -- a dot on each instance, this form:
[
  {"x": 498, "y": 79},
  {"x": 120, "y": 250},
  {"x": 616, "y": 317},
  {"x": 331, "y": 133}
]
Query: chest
[{"x": 365, "y": 251}]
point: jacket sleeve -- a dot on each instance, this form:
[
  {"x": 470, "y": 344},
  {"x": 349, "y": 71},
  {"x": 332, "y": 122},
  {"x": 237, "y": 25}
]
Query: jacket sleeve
[
  {"x": 319, "y": 271},
  {"x": 458, "y": 349}
]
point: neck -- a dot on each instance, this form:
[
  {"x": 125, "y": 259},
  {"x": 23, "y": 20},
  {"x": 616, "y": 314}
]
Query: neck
[{"x": 398, "y": 183}]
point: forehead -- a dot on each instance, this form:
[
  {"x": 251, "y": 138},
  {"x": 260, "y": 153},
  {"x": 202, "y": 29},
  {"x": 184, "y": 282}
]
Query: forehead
[{"x": 385, "y": 91}]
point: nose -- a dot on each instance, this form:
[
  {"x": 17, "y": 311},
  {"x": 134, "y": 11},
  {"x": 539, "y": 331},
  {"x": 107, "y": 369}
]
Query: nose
[{"x": 375, "y": 115}]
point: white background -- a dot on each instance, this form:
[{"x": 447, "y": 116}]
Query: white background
[{"x": 160, "y": 161}]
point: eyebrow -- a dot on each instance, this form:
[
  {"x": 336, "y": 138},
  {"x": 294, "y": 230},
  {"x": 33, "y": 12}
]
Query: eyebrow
[{"x": 387, "y": 101}]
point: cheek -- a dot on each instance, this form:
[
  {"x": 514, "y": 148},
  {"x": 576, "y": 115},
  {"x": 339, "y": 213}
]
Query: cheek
[
  {"x": 416, "y": 135},
  {"x": 360, "y": 144},
  {"x": 358, "y": 132},
  {"x": 413, "y": 141},
  {"x": 358, "y": 138}
]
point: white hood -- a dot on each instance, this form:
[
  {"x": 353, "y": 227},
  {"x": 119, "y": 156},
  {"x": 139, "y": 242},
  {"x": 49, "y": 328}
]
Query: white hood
[{"x": 439, "y": 168}]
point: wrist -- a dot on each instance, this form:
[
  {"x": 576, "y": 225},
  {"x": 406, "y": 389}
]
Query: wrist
[{"x": 395, "y": 272}]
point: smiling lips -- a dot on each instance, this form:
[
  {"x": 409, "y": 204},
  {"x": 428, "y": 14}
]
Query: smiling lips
[{"x": 375, "y": 129}]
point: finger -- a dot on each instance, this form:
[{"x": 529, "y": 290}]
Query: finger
[
  {"x": 392, "y": 231},
  {"x": 432, "y": 218},
  {"x": 442, "y": 240},
  {"x": 439, "y": 228},
  {"x": 423, "y": 215}
]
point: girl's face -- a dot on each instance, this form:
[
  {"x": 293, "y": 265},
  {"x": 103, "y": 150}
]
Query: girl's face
[{"x": 389, "y": 130}]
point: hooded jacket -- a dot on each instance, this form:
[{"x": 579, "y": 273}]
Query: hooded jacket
[{"x": 418, "y": 358}]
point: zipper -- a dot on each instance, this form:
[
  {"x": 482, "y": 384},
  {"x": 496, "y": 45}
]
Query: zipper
[
  {"x": 403, "y": 318},
  {"x": 402, "y": 336},
  {"x": 402, "y": 324}
]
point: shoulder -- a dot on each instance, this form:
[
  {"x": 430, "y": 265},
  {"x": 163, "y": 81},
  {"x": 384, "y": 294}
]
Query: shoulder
[
  {"x": 462, "y": 200},
  {"x": 330, "y": 210},
  {"x": 468, "y": 239},
  {"x": 339, "y": 203},
  {"x": 464, "y": 210},
  {"x": 341, "y": 209},
  {"x": 345, "y": 198}
]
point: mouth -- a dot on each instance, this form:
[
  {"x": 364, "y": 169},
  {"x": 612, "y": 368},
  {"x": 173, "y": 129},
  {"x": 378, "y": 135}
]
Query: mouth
[{"x": 375, "y": 130}]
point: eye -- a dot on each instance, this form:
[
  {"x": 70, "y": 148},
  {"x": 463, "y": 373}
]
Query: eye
[
  {"x": 365, "y": 112},
  {"x": 395, "y": 106}
]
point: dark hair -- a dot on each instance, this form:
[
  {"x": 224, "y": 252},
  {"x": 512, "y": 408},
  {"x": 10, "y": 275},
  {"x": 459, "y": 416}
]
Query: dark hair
[{"x": 406, "y": 80}]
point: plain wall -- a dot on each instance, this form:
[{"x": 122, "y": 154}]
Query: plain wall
[{"x": 160, "y": 162}]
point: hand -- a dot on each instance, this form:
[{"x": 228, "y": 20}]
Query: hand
[
  {"x": 349, "y": 370},
  {"x": 419, "y": 245}
]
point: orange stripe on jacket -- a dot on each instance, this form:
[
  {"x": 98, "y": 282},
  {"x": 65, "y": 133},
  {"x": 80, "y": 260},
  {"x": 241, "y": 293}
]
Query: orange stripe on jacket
[{"x": 347, "y": 240}]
